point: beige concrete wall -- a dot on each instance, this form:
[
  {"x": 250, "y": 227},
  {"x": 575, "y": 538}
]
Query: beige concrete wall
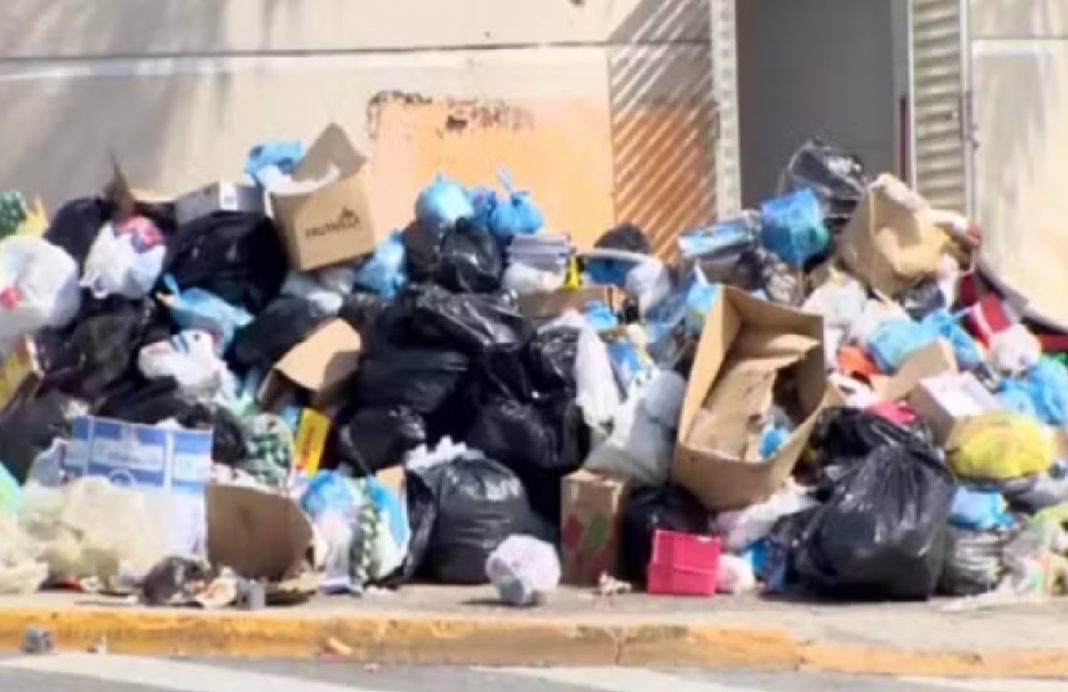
[
  {"x": 600, "y": 107},
  {"x": 1020, "y": 78}
]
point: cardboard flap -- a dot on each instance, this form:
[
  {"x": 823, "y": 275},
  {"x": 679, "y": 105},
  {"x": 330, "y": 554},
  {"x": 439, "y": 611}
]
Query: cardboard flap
[
  {"x": 258, "y": 534},
  {"x": 332, "y": 148},
  {"x": 764, "y": 350},
  {"x": 324, "y": 359}
]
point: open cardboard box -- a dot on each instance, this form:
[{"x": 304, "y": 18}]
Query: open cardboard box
[
  {"x": 332, "y": 223},
  {"x": 322, "y": 366},
  {"x": 787, "y": 341}
]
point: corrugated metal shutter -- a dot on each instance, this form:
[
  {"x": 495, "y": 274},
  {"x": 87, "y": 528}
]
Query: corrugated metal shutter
[
  {"x": 940, "y": 166},
  {"x": 727, "y": 156}
]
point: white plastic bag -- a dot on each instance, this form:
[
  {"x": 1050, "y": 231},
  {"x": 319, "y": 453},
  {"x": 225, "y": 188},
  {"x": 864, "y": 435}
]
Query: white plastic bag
[
  {"x": 649, "y": 283},
  {"x": 742, "y": 528},
  {"x": 523, "y": 279},
  {"x": 595, "y": 380},
  {"x": 38, "y": 286},
  {"x": 524, "y": 570},
  {"x": 91, "y": 528},
  {"x": 21, "y": 570},
  {"x": 840, "y": 301},
  {"x": 189, "y": 357},
  {"x": 734, "y": 575},
  {"x": 126, "y": 259},
  {"x": 642, "y": 442},
  {"x": 1015, "y": 350}
]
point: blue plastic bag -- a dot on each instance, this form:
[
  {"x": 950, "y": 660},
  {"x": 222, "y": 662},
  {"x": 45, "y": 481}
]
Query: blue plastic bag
[
  {"x": 942, "y": 323},
  {"x": 895, "y": 340},
  {"x": 1042, "y": 392},
  {"x": 725, "y": 238},
  {"x": 442, "y": 204},
  {"x": 195, "y": 308},
  {"x": 979, "y": 510},
  {"x": 600, "y": 316},
  {"x": 680, "y": 316},
  {"x": 384, "y": 273},
  {"x": 793, "y": 227},
  {"x": 283, "y": 155}
]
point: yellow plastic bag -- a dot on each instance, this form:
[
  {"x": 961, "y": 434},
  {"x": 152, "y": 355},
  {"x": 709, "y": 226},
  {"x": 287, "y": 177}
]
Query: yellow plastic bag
[{"x": 1001, "y": 445}]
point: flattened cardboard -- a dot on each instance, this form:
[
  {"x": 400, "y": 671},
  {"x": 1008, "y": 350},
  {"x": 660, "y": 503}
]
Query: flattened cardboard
[
  {"x": 219, "y": 196},
  {"x": 722, "y": 483},
  {"x": 544, "y": 307},
  {"x": 333, "y": 223},
  {"x": 256, "y": 533},
  {"x": 591, "y": 514},
  {"x": 949, "y": 401},
  {"x": 321, "y": 365}
]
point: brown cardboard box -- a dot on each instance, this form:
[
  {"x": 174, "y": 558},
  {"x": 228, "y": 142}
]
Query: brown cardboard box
[
  {"x": 543, "y": 307},
  {"x": 322, "y": 365},
  {"x": 930, "y": 361},
  {"x": 744, "y": 339},
  {"x": 257, "y": 533},
  {"x": 332, "y": 223},
  {"x": 591, "y": 512},
  {"x": 948, "y": 401}
]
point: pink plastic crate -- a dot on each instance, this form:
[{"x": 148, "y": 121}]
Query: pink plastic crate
[{"x": 683, "y": 564}]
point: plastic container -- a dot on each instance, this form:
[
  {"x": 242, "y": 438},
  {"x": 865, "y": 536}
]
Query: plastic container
[{"x": 683, "y": 564}]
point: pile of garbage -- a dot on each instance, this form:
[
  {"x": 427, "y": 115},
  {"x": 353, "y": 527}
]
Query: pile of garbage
[{"x": 253, "y": 393}]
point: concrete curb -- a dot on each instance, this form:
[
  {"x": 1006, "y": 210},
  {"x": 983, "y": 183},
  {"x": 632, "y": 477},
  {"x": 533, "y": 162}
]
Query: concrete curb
[{"x": 514, "y": 641}]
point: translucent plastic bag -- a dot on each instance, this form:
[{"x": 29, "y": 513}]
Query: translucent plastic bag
[
  {"x": 189, "y": 357},
  {"x": 793, "y": 227},
  {"x": 836, "y": 177},
  {"x": 524, "y": 570},
  {"x": 38, "y": 286},
  {"x": 21, "y": 570},
  {"x": 91, "y": 528},
  {"x": 597, "y": 391},
  {"x": 126, "y": 259}
]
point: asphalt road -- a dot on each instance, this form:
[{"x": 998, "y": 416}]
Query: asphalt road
[{"x": 105, "y": 673}]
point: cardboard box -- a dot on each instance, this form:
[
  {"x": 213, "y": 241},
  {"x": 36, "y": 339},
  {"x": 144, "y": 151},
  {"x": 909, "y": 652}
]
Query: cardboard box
[
  {"x": 333, "y": 223},
  {"x": 257, "y": 533},
  {"x": 591, "y": 513},
  {"x": 321, "y": 366},
  {"x": 172, "y": 463},
  {"x": 20, "y": 373},
  {"x": 220, "y": 196},
  {"x": 930, "y": 361},
  {"x": 543, "y": 307},
  {"x": 950, "y": 400},
  {"x": 746, "y": 344}
]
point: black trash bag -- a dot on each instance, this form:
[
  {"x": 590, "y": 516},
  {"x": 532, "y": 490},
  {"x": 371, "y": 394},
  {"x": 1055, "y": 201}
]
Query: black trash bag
[
  {"x": 422, "y": 253},
  {"x": 29, "y": 428},
  {"x": 87, "y": 358},
  {"x": 420, "y": 379},
  {"x": 286, "y": 322},
  {"x": 922, "y": 299},
  {"x": 229, "y": 440},
  {"x": 377, "y": 438},
  {"x": 625, "y": 236},
  {"x": 472, "y": 260},
  {"x": 361, "y": 311},
  {"x": 541, "y": 443},
  {"x": 882, "y": 532},
  {"x": 975, "y": 562},
  {"x": 459, "y": 512},
  {"x": 836, "y": 176},
  {"x": 237, "y": 256},
  {"x": 472, "y": 323},
  {"x": 76, "y": 225},
  {"x": 647, "y": 509},
  {"x": 551, "y": 359},
  {"x": 135, "y": 399}
]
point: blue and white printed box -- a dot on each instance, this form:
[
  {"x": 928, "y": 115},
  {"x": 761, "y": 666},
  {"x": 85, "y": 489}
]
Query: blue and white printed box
[{"x": 170, "y": 462}]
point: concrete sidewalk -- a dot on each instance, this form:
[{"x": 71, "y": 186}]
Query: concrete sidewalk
[{"x": 466, "y": 626}]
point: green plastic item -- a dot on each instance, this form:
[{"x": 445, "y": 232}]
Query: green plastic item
[{"x": 10, "y": 492}]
